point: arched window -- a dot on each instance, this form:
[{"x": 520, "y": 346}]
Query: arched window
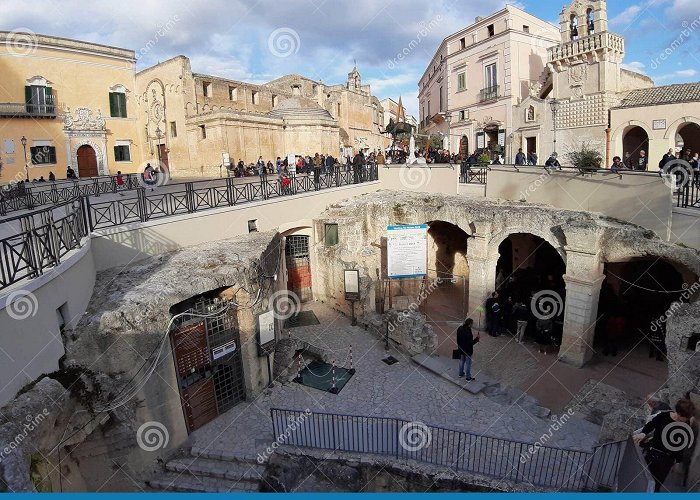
[
  {"x": 573, "y": 27},
  {"x": 590, "y": 22},
  {"x": 530, "y": 114}
]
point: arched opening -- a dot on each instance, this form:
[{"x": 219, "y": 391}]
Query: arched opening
[
  {"x": 464, "y": 146},
  {"x": 573, "y": 26},
  {"x": 688, "y": 137},
  {"x": 87, "y": 161},
  {"x": 634, "y": 141},
  {"x": 634, "y": 300},
  {"x": 529, "y": 269},
  {"x": 589, "y": 21}
]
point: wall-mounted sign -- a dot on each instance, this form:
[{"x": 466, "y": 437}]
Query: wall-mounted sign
[
  {"x": 225, "y": 159},
  {"x": 480, "y": 141},
  {"x": 352, "y": 284},
  {"x": 658, "y": 125},
  {"x": 223, "y": 349},
  {"x": 502, "y": 137},
  {"x": 407, "y": 251},
  {"x": 292, "y": 164},
  {"x": 266, "y": 321}
]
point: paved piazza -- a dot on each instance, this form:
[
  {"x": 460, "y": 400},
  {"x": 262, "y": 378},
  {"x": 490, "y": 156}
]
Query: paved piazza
[{"x": 403, "y": 390}]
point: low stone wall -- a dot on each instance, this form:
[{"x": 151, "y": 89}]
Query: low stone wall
[{"x": 408, "y": 329}]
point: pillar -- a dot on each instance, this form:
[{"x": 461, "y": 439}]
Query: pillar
[
  {"x": 584, "y": 277},
  {"x": 482, "y": 272}
]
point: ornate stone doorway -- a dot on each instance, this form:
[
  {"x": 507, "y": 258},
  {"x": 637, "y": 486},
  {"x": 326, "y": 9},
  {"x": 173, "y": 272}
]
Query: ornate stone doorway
[{"x": 87, "y": 161}]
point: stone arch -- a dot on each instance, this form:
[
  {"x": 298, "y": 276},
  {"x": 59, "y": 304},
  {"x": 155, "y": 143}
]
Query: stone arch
[
  {"x": 548, "y": 236},
  {"x": 619, "y": 132},
  {"x": 673, "y": 128},
  {"x": 99, "y": 153}
]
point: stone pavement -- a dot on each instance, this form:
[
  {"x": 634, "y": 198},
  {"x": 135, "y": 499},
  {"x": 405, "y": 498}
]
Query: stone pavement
[{"x": 403, "y": 390}]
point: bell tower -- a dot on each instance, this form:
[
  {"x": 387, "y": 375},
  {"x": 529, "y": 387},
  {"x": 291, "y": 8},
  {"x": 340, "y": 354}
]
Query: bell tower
[{"x": 582, "y": 19}]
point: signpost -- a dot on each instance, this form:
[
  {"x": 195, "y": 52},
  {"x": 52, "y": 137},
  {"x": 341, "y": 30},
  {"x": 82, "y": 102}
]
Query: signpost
[{"x": 352, "y": 290}]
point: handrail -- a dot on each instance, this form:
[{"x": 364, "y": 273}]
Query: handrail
[{"x": 461, "y": 451}]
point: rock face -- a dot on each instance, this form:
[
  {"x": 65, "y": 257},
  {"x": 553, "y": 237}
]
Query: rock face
[{"x": 408, "y": 329}]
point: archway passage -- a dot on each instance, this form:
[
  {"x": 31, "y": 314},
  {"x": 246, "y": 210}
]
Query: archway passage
[
  {"x": 634, "y": 300},
  {"x": 634, "y": 140},
  {"x": 296, "y": 251},
  {"x": 529, "y": 267},
  {"x": 87, "y": 161},
  {"x": 688, "y": 137}
]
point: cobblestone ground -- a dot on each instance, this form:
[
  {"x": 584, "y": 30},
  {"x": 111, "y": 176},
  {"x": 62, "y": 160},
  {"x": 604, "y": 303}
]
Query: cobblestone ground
[{"x": 403, "y": 390}]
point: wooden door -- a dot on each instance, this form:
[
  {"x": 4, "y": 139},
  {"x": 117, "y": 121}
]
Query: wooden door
[
  {"x": 164, "y": 161},
  {"x": 87, "y": 162}
]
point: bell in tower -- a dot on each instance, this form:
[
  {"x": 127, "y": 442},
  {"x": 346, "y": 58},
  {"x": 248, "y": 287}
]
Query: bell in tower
[{"x": 581, "y": 19}]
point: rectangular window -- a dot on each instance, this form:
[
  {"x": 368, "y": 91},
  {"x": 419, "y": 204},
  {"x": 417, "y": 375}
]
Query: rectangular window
[
  {"x": 122, "y": 152},
  {"x": 253, "y": 226},
  {"x": 462, "y": 43},
  {"x": 338, "y": 111},
  {"x": 526, "y": 29},
  {"x": 233, "y": 93},
  {"x": 254, "y": 97},
  {"x": 491, "y": 76},
  {"x": 117, "y": 104},
  {"x": 203, "y": 131},
  {"x": 43, "y": 155},
  {"x": 461, "y": 81},
  {"x": 206, "y": 89},
  {"x": 173, "y": 129},
  {"x": 39, "y": 100},
  {"x": 275, "y": 100},
  {"x": 462, "y": 115},
  {"x": 331, "y": 235},
  {"x": 492, "y": 30},
  {"x": 441, "y": 101}
]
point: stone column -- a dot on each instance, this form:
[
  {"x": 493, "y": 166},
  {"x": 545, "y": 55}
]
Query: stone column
[
  {"x": 584, "y": 277},
  {"x": 482, "y": 272}
]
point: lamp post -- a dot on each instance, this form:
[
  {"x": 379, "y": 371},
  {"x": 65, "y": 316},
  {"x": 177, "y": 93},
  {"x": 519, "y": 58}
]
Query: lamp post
[
  {"x": 23, "y": 140},
  {"x": 554, "y": 104},
  {"x": 159, "y": 134},
  {"x": 448, "y": 119}
]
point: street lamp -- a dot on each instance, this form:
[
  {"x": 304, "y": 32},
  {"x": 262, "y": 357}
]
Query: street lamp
[
  {"x": 23, "y": 140},
  {"x": 554, "y": 104},
  {"x": 159, "y": 134}
]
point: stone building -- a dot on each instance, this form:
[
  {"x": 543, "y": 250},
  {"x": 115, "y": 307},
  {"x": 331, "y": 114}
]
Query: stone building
[
  {"x": 479, "y": 75},
  {"x": 65, "y": 122}
]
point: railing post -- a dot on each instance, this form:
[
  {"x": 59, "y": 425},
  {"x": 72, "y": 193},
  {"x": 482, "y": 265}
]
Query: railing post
[
  {"x": 189, "y": 197},
  {"x": 87, "y": 216},
  {"x": 96, "y": 186},
  {"x": 230, "y": 193},
  {"x": 29, "y": 198},
  {"x": 142, "y": 204}
]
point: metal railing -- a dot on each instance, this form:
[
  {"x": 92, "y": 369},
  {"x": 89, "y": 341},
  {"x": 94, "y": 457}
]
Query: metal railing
[
  {"x": 490, "y": 93},
  {"x": 474, "y": 175},
  {"x": 459, "y": 451},
  {"x": 20, "y": 109},
  {"x": 688, "y": 195},
  {"x": 43, "y": 239},
  {"x": 187, "y": 198},
  {"x": 27, "y": 196}
]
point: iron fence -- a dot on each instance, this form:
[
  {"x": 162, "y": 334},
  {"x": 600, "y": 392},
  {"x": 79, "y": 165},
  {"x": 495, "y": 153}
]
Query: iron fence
[
  {"x": 43, "y": 239},
  {"x": 187, "y": 198},
  {"x": 459, "y": 451},
  {"x": 473, "y": 175},
  {"x": 688, "y": 195}
]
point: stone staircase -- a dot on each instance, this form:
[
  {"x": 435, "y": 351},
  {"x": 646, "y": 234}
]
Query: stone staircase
[
  {"x": 210, "y": 472},
  {"x": 485, "y": 385}
]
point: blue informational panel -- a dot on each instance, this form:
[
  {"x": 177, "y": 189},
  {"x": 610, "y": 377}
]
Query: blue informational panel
[{"x": 407, "y": 251}]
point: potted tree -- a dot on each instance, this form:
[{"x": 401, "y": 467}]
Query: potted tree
[{"x": 586, "y": 159}]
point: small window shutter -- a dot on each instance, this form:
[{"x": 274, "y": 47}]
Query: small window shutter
[
  {"x": 49, "y": 95},
  {"x": 28, "y": 94},
  {"x": 52, "y": 154},
  {"x": 116, "y": 154},
  {"x": 112, "y": 105},
  {"x": 122, "y": 104}
]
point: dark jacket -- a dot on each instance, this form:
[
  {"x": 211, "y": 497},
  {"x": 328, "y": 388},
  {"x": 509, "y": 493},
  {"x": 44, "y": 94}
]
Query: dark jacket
[{"x": 466, "y": 340}]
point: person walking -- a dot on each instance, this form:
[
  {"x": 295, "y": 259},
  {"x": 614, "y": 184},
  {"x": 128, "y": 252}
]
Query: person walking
[
  {"x": 544, "y": 334},
  {"x": 642, "y": 161},
  {"x": 669, "y": 435},
  {"x": 520, "y": 315},
  {"x": 520, "y": 158},
  {"x": 488, "y": 309},
  {"x": 120, "y": 183},
  {"x": 317, "y": 172},
  {"x": 465, "y": 345}
]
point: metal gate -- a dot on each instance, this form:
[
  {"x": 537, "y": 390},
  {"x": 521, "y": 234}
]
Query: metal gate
[
  {"x": 296, "y": 251},
  {"x": 208, "y": 363}
]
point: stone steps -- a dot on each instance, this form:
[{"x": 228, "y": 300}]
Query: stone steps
[
  {"x": 485, "y": 385},
  {"x": 210, "y": 472}
]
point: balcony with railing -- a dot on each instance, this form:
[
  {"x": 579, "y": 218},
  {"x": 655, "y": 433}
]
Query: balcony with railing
[
  {"x": 595, "y": 42},
  {"x": 28, "y": 110},
  {"x": 490, "y": 93}
]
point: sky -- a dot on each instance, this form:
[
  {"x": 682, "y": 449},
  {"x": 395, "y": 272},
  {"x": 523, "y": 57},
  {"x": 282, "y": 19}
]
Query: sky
[{"x": 260, "y": 40}]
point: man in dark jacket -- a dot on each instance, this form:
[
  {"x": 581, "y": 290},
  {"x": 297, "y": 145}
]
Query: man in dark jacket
[
  {"x": 668, "y": 157},
  {"x": 465, "y": 344},
  {"x": 520, "y": 158}
]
